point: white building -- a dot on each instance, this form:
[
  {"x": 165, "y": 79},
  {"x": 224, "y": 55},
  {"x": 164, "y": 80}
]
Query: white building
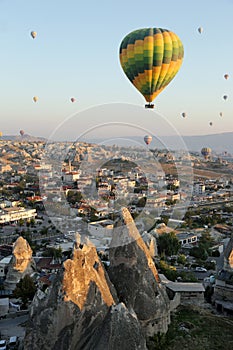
[
  {"x": 16, "y": 213},
  {"x": 101, "y": 229},
  {"x": 71, "y": 176},
  {"x": 198, "y": 188}
]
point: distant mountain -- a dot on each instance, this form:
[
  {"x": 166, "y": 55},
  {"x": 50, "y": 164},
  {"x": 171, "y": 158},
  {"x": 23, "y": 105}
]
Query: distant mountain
[
  {"x": 25, "y": 137},
  {"x": 217, "y": 142}
]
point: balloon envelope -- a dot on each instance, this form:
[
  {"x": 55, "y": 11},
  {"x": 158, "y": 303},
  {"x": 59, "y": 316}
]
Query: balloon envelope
[
  {"x": 21, "y": 132},
  {"x": 72, "y": 99},
  {"x": 211, "y": 123},
  {"x": 226, "y": 76},
  {"x": 183, "y": 114},
  {"x": 148, "y": 139},
  {"x": 225, "y": 97},
  {"x": 200, "y": 30},
  {"x": 0, "y": 133},
  {"x": 33, "y": 34},
  {"x": 151, "y": 58},
  {"x": 206, "y": 152},
  {"x": 35, "y": 98}
]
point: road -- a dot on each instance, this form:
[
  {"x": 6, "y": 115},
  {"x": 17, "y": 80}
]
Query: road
[{"x": 10, "y": 327}]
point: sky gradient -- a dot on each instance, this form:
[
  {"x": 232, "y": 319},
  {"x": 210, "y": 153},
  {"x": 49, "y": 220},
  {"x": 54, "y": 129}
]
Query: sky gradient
[{"x": 76, "y": 54}]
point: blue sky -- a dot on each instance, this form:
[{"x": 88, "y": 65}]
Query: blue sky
[{"x": 76, "y": 54}]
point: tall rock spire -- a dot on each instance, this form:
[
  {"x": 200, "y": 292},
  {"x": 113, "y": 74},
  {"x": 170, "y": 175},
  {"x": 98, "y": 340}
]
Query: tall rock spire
[
  {"x": 84, "y": 268},
  {"x": 21, "y": 263},
  {"x": 135, "y": 277}
]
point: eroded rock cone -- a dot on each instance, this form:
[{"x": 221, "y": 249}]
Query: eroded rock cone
[
  {"x": 78, "y": 311},
  {"x": 21, "y": 263},
  {"x": 135, "y": 277}
]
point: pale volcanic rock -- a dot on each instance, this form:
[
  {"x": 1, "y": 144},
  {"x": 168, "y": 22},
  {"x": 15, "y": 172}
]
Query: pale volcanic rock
[
  {"x": 21, "y": 263},
  {"x": 121, "y": 330},
  {"x": 22, "y": 253},
  {"x": 125, "y": 233},
  {"x": 83, "y": 268},
  {"x": 135, "y": 277},
  {"x": 80, "y": 311},
  {"x": 151, "y": 243}
]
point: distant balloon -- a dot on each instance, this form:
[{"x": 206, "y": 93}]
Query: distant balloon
[
  {"x": 206, "y": 152},
  {"x": 73, "y": 99},
  {"x": 35, "y": 98},
  {"x": 0, "y": 133},
  {"x": 226, "y": 76},
  {"x": 183, "y": 115},
  {"x": 225, "y": 97},
  {"x": 200, "y": 30},
  {"x": 21, "y": 132},
  {"x": 211, "y": 123},
  {"x": 33, "y": 34},
  {"x": 148, "y": 139},
  {"x": 221, "y": 114}
]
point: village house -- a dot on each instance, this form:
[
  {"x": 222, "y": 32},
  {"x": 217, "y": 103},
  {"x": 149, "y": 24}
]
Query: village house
[{"x": 13, "y": 214}]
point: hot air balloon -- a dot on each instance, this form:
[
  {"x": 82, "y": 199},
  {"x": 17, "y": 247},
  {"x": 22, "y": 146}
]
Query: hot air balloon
[
  {"x": 221, "y": 114},
  {"x": 148, "y": 139},
  {"x": 0, "y": 133},
  {"x": 200, "y": 30},
  {"x": 226, "y": 76},
  {"x": 35, "y": 98},
  {"x": 206, "y": 152},
  {"x": 72, "y": 99},
  {"x": 33, "y": 34},
  {"x": 21, "y": 132},
  {"x": 183, "y": 115},
  {"x": 211, "y": 123},
  {"x": 151, "y": 58},
  {"x": 225, "y": 97}
]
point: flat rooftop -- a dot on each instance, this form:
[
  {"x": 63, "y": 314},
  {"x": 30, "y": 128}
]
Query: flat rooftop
[{"x": 181, "y": 286}]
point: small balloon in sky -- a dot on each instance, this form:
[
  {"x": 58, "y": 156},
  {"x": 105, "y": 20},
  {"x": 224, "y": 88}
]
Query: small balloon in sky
[
  {"x": 200, "y": 30},
  {"x": 73, "y": 99},
  {"x": 21, "y": 132},
  {"x": 211, "y": 123},
  {"x": 35, "y": 98},
  {"x": 226, "y": 76},
  {"x": 33, "y": 34},
  {"x": 206, "y": 152},
  {"x": 221, "y": 114},
  {"x": 183, "y": 115},
  {"x": 225, "y": 97},
  {"x": 148, "y": 139}
]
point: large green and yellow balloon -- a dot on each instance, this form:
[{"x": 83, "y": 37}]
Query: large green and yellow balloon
[{"x": 151, "y": 58}]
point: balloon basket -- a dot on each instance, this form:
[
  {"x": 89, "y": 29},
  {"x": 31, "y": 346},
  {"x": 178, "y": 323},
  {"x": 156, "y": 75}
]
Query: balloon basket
[{"x": 149, "y": 105}]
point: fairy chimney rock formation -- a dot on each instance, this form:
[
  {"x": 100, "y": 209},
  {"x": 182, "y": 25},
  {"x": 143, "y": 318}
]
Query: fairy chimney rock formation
[
  {"x": 135, "y": 277},
  {"x": 21, "y": 263},
  {"x": 84, "y": 268},
  {"x": 81, "y": 311}
]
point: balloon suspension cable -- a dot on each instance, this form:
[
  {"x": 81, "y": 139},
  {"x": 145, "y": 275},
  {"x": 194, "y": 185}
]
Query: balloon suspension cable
[{"x": 149, "y": 105}]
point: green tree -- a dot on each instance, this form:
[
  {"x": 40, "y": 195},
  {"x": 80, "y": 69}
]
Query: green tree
[
  {"x": 25, "y": 289},
  {"x": 168, "y": 243},
  {"x": 21, "y": 222},
  {"x": 181, "y": 259},
  {"x": 53, "y": 252},
  {"x": 199, "y": 252}
]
